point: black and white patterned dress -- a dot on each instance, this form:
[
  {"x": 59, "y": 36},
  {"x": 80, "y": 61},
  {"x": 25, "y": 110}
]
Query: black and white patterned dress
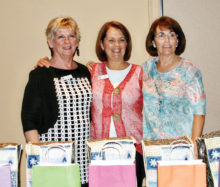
[{"x": 73, "y": 124}]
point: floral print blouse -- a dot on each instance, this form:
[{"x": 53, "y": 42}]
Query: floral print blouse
[{"x": 171, "y": 100}]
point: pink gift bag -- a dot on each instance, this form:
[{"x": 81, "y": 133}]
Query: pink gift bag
[
  {"x": 5, "y": 176},
  {"x": 112, "y": 175}
]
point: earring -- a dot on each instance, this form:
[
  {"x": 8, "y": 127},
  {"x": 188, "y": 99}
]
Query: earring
[
  {"x": 154, "y": 45},
  {"x": 177, "y": 43},
  {"x": 77, "y": 51}
]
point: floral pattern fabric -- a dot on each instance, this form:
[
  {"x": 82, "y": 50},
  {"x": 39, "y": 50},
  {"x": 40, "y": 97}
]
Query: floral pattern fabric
[{"x": 171, "y": 100}]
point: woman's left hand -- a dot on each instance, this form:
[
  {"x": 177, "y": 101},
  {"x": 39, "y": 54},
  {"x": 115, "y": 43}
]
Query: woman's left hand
[
  {"x": 43, "y": 62},
  {"x": 89, "y": 65}
]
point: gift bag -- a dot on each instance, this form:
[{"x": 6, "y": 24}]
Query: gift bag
[
  {"x": 112, "y": 174},
  {"x": 113, "y": 164},
  {"x": 56, "y": 176},
  {"x": 126, "y": 143},
  {"x": 47, "y": 153},
  {"x": 190, "y": 173},
  {"x": 167, "y": 149},
  {"x": 209, "y": 152},
  {"x": 10, "y": 154},
  {"x": 5, "y": 176}
]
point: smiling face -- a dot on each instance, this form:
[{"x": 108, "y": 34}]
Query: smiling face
[
  {"x": 114, "y": 44},
  {"x": 166, "y": 41},
  {"x": 64, "y": 42}
]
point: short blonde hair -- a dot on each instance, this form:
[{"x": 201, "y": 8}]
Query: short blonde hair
[{"x": 63, "y": 23}]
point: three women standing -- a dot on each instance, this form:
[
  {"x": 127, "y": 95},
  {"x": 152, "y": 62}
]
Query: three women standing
[{"x": 173, "y": 92}]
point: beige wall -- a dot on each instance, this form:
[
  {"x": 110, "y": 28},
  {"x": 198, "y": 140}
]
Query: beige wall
[
  {"x": 22, "y": 43},
  {"x": 200, "y": 20}
]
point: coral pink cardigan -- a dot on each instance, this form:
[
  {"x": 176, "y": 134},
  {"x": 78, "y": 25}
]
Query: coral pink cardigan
[{"x": 126, "y": 106}]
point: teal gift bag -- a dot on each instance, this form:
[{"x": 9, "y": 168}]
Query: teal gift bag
[{"x": 56, "y": 176}]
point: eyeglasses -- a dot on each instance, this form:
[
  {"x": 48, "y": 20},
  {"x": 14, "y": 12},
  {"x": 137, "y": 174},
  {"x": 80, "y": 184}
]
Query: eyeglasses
[{"x": 162, "y": 35}]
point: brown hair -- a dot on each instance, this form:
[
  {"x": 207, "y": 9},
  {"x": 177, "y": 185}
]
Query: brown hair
[
  {"x": 168, "y": 23},
  {"x": 102, "y": 34}
]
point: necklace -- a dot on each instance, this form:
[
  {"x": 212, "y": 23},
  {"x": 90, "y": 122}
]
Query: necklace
[
  {"x": 161, "y": 84},
  {"x": 158, "y": 85}
]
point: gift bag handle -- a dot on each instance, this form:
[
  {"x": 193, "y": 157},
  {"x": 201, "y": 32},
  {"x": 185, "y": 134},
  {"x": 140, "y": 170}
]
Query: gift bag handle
[
  {"x": 53, "y": 146},
  {"x": 180, "y": 143},
  {"x": 108, "y": 145},
  {"x": 213, "y": 134}
]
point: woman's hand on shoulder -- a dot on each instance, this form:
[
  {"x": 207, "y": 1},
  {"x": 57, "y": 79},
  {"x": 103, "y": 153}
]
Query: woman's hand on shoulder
[
  {"x": 43, "y": 62},
  {"x": 89, "y": 65}
]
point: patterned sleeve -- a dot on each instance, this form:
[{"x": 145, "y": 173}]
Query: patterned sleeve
[{"x": 195, "y": 91}]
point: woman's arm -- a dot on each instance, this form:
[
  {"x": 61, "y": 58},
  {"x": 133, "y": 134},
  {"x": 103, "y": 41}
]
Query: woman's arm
[
  {"x": 197, "y": 98},
  {"x": 32, "y": 136},
  {"x": 44, "y": 62},
  {"x": 31, "y": 108},
  {"x": 198, "y": 125}
]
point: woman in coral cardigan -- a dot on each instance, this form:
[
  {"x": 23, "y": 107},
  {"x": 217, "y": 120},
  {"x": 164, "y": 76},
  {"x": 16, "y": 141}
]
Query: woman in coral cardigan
[{"x": 117, "y": 90}]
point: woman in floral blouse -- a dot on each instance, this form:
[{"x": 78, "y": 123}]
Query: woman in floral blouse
[{"x": 173, "y": 92}]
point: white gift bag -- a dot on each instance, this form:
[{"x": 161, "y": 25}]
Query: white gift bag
[{"x": 124, "y": 145}]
